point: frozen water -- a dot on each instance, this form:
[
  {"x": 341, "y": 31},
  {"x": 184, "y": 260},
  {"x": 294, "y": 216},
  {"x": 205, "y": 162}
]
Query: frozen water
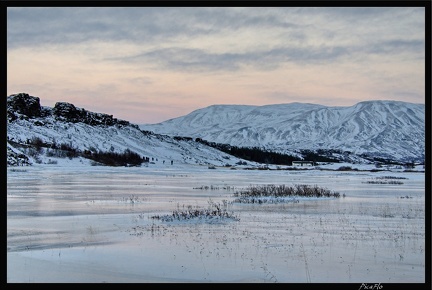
[{"x": 93, "y": 224}]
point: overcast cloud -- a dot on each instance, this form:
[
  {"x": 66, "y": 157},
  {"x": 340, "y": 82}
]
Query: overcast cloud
[{"x": 123, "y": 61}]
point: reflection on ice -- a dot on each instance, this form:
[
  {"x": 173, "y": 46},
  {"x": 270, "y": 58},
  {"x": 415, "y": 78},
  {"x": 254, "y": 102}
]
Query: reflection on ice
[{"x": 94, "y": 224}]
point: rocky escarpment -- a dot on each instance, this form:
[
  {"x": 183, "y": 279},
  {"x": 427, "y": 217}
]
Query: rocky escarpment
[
  {"x": 23, "y": 106},
  {"x": 20, "y": 105},
  {"x": 47, "y": 135}
]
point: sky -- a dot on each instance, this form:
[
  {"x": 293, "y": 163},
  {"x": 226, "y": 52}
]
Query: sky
[{"x": 150, "y": 64}]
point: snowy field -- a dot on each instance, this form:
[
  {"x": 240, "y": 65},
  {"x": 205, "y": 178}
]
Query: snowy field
[{"x": 93, "y": 224}]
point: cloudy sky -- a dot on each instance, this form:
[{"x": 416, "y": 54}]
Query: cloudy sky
[{"x": 147, "y": 65}]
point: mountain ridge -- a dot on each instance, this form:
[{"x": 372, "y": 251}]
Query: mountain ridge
[
  {"x": 35, "y": 133},
  {"x": 368, "y": 127}
]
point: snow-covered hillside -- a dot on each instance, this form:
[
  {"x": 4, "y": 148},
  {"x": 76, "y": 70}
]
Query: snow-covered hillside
[
  {"x": 386, "y": 129},
  {"x": 79, "y": 129},
  {"x": 383, "y": 129}
]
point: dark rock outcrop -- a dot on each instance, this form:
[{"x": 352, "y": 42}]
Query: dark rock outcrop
[
  {"x": 23, "y": 104},
  {"x": 16, "y": 159},
  {"x": 66, "y": 111}
]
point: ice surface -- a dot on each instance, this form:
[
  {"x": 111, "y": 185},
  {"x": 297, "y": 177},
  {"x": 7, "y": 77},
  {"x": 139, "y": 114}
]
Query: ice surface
[{"x": 93, "y": 224}]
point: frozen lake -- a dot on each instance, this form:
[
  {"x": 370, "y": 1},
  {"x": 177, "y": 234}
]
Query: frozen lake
[{"x": 93, "y": 224}]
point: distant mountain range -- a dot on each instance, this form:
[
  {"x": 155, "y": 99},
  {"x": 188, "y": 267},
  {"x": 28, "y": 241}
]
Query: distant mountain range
[
  {"x": 220, "y": 135},
  {"x": 384, "y": 129}
]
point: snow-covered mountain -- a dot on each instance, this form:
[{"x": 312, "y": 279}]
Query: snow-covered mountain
[
  {"x": 385, "y": 129},
  {"x": 66, "y": 126}
]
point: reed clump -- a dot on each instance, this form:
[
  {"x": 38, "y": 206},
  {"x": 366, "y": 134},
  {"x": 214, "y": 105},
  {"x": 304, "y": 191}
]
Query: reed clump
[
  {"x": 278, "y": 193},
  {"x": 215, "y": 211}
]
